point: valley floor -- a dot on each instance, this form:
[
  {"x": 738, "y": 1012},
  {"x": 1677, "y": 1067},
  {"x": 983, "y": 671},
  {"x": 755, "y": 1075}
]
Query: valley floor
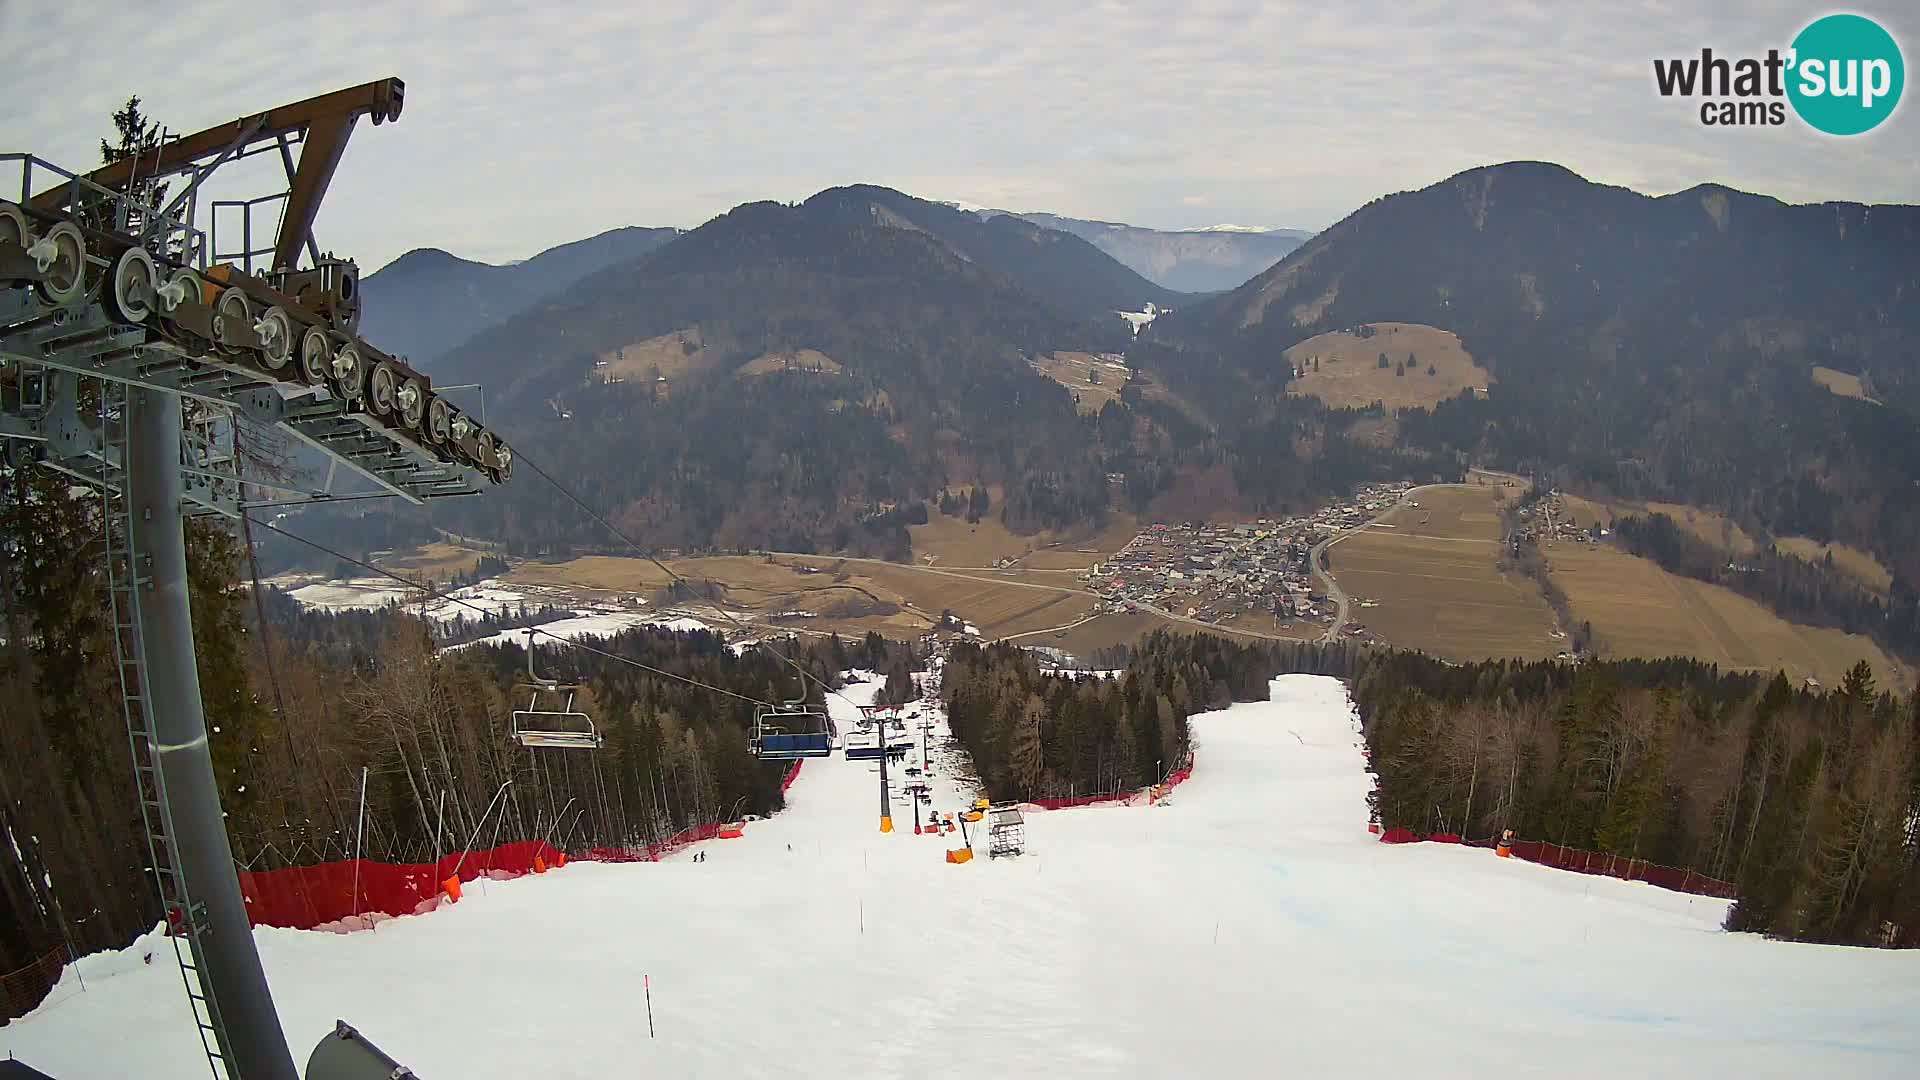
[{"x": 1249, "y": 927}]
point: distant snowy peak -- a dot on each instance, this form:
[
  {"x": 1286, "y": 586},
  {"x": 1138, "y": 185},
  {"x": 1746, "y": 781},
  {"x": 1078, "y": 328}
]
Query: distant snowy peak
[{"x": 1239, "y": 228}]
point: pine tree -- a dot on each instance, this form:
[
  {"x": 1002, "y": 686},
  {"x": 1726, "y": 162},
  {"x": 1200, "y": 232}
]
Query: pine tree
[{"x": 1027, "y": 755}]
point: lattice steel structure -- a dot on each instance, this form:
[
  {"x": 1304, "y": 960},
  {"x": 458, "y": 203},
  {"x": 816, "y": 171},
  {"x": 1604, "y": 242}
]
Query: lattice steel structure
[{"x": 129, "y": 347}]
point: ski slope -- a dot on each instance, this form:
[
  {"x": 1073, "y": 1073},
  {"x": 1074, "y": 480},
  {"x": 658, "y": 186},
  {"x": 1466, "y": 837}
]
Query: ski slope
[{"x": 1251, "y": 927}]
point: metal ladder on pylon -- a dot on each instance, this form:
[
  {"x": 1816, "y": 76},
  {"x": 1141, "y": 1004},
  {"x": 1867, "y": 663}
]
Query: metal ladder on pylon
[{"x": 185, "y": 918}]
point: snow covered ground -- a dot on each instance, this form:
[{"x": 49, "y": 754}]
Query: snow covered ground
[
  {"x": 594, "y": 624},
  {"x": 366, "y": 593},
  {"x": 599, "y": 616},
  {"x": 1251, "y": 927}
]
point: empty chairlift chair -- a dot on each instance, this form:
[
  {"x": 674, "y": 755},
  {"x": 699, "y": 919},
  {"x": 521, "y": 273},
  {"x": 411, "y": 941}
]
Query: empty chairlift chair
[
  {"x": 791, "y": 731},
  {"x": 565, "y": 728}
]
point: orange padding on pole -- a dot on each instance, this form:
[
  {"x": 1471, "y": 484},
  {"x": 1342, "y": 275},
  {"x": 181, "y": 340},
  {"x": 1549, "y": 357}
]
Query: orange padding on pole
[
  {"x": 960, "y": 855},
  {"x": 886, "y": 824},
  {"x": 539, "y": 865},
  {"x": 451, "y": 887}
]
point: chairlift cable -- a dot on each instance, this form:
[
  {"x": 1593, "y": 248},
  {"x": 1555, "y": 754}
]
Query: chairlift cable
[{"x": 438, "y": 595}]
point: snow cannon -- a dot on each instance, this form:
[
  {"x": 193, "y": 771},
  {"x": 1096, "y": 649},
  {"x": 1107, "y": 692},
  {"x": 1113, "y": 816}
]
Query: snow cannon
[{"x": 733, "y": 830}]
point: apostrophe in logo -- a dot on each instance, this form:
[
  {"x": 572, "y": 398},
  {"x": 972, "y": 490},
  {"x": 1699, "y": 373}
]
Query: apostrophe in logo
[
  {"x": 1846, "y": 76},
  {"x": 1842, "y": 75}
]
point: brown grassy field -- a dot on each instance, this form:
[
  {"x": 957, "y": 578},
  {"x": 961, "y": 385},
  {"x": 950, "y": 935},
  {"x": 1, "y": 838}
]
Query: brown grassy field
[
  {"x": 1350, "y": 377},
  {"x": 437, "y": 561},
  {"x": 812, "y": 360},
  {"x": 1638, "y": 609},
  {"x": 1706, "y": 525},
  {"x": 1857, "y": 564},
  {"x": 753, "y": 585},
  {"x": 1722, "y": 533},
  {"x": 1431, "y": 581},
  {"x": 847, "y": 595},
  {"x": 1012, "y": 605},
  {"x": 1093, "y": 380},
  {"x": 950, "y": 541},
  {"x": 1841, "y": 383},
  {"x": 1514, "y": 486},
  {"x": 671, "y": 355}
]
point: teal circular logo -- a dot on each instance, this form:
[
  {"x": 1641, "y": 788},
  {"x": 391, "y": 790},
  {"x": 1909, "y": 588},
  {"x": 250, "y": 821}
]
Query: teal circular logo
[{"x": 1846, "y": 74}]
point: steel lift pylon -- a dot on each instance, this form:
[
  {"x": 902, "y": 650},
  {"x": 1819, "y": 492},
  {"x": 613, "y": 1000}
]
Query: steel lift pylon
[{"x": 129, "y": 348}]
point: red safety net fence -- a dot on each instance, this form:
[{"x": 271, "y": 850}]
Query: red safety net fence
[
  {"x": 22, "y": 990},
  {"x": 351, "y": 894},
  {"x": 1588, "y": 862},
  {"x": 331, "y": 895}
]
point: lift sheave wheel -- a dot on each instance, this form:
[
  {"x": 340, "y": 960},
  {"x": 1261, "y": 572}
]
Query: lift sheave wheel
[
  {"x": 380, "y": 388},
  {"x": 412, "y": 399},
  {"x": 183, "y": 287},
  {"x": 134, "y": 280},
  {"x": 350, "y": 372},
  {"x": 231, "y": 310},
  {"x": 13, "y": 226},
  {"x": 316, "y": 356},
  {"x": 276, "y": 339},
  {"x": 439, "y": 421},
  {"x": 62, "y": 257}
]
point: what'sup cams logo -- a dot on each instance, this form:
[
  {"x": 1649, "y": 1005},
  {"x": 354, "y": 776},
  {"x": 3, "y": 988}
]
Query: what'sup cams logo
[{"x": 1842, "y": 75}]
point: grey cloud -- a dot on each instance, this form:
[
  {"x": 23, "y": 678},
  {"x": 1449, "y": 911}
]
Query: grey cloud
[{"x": 528, "y": 126}]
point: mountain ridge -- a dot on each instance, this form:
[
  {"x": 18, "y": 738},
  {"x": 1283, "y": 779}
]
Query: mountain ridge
[
  {"x": 1188, "y": 260},
  {"x": 429, "y": 299}
]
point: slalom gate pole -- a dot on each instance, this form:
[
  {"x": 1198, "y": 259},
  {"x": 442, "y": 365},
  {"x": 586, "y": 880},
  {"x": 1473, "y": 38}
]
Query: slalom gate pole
[
  {"x": 480, "y": 825},
  {"x": 647, "y": 981},
  {"x": 359, "y": 833}
]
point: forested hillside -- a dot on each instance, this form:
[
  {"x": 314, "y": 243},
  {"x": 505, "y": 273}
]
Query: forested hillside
[
  {"x": 298, "y": 706},
  {"x": 1649, "y": 348},
  {"x": 427, "y": 301},
  {"x": 731, "y": 442},
  {"x": 1056, "y": 265}
]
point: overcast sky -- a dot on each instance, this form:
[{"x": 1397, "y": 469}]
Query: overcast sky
[{"x": 531, "y": 124}]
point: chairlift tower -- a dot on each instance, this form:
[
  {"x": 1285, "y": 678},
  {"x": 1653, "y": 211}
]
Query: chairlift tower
[{"x": 129, "y": 344}]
